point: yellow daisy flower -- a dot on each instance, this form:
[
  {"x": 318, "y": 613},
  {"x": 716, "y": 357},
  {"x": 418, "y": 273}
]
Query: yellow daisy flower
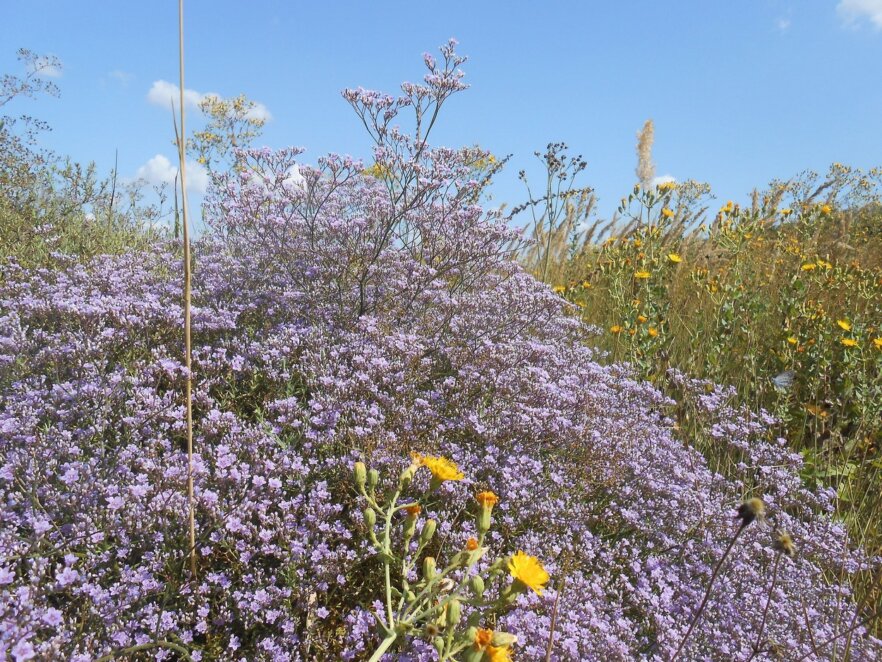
[
  {"x": 498, "y": 654},
  {"x": 877, "y": 342},
  {"x": 442, "y": 469},
  {"x": 642, "y": 275},
  {"x": 845, "y": 325},
  {"x": 667, "y": 213},
  {"x": 675, "y": 258},
  {"x": 529, "y": 571},
  {"x": 849, "y": 342}
]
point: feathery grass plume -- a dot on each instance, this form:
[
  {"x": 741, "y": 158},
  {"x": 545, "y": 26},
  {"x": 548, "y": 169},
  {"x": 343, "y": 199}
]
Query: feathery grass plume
[{"x": 645, "y": 167}]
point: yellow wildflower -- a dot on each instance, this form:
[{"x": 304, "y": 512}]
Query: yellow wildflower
[
  {"x": 442, "y": 469},
  {"x": 483, "y": 638},
  {"x": 728, "y": 208},
  {"x": 667, "y": 213},
  {"x": 529, "y": 571},
  {"x": 498, "y": 654},
  {"x": 586, "y": 284},
  {"x": 849, "y": 342},
  {"x": 641, "y": 319},
  {"x": 877, "y": 342},
  {"x": 808, "y": 266},
  {"x": 667, "y": 186},
  {"x": 815, "y": 410},
  {"x": 472, "y": 544},
  {"x": 652, "y": 331},
  {"x": 378, "y": 171},
  {"x": 615, "y": 328},
  {"x": 559, "y": 289},
  {"x": 487, "y": 499},
  {"x": 845, "y": 325},
  {"x": 826, "y": 209},
  {"x": 642, "y": 275},
  {"x": 675, "y": 258},
  {"x": 793, "y": 340},
  {"x": 413, "y": 510},
  {"x": 786, "y": 212}
]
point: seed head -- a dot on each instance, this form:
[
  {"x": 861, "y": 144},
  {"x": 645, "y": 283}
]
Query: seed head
[
  {"x": 784, "y": 543},
  {"x": 751, "y": 510}
]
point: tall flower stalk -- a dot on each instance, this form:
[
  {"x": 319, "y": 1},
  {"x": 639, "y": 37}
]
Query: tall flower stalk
[
  {"x": 750, "y": 510},
  {"x": 188, "y": 353}
]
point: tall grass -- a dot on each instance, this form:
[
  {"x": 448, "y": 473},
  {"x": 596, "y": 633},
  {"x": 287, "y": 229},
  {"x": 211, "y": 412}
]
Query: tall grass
[{"x": 782, "y": 300}]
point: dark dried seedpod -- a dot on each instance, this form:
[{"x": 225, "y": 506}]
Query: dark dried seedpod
[{"x": 751, "y": 510}]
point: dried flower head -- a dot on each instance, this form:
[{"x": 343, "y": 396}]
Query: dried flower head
[
  {"x": 784, "y": 543},
  {"x": 750, "y": 510}
]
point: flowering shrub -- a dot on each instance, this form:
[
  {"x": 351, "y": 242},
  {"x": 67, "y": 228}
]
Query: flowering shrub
[{"x": 347, "y": 317}]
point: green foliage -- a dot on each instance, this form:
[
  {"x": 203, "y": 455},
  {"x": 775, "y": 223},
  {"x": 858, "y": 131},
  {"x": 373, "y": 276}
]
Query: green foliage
[
  {"x": 782, "y": 300},
  {"x": 52, "y": 206}
]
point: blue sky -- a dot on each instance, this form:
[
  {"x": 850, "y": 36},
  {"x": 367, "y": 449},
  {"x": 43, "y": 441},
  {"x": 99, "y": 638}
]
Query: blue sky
[{"x": 740, "y": 92}]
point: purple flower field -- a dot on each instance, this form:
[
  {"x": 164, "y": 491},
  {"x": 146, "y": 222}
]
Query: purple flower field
[{"x": 343, "y": 315}]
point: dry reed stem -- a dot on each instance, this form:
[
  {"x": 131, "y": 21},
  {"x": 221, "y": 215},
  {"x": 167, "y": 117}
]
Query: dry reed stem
[{"x": 187, "y": 296}]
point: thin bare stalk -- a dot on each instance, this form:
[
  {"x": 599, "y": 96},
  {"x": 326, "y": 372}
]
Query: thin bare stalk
[
  {"x": 188, "y": 353},
  {"x": 707, "y": 593},
  {"x": 762, "y": 626},
  {"x": 563, "y": 583}
]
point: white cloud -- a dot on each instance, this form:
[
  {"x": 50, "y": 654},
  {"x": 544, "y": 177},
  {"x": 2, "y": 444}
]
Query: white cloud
[
  {"x": 165, "y": 94},
  {"x": 159, "y": 170},
  {"x": 783, "y": 24},
  {"x": 123, "y": 77},
  {"x": 662, "y": 179},
  {"x": 48, "y": 65},
  {"x": 259, "y": 112},
  {"x": 294, "y": 180},
  {"x": 853, "y": 11}
]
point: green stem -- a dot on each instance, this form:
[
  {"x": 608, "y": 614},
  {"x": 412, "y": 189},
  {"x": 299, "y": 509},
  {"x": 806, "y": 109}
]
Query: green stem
[{"x": 387, "y": 642}]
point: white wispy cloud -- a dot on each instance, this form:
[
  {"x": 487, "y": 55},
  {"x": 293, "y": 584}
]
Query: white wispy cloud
[
  {"x": 167, "y": 95},
  {"x": 259, "y": 112},
  {"x": 855, "y": 11},
  {"x": 663, "y": 179},
  {"x": 122, "y": 77},
  {"x": 783, "y": 24},
  {"x": 160, "y": 170},
  {"x": 49, "y": 65}
]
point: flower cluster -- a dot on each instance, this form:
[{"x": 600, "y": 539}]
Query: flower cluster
[{"x": 348, "y": 318}]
